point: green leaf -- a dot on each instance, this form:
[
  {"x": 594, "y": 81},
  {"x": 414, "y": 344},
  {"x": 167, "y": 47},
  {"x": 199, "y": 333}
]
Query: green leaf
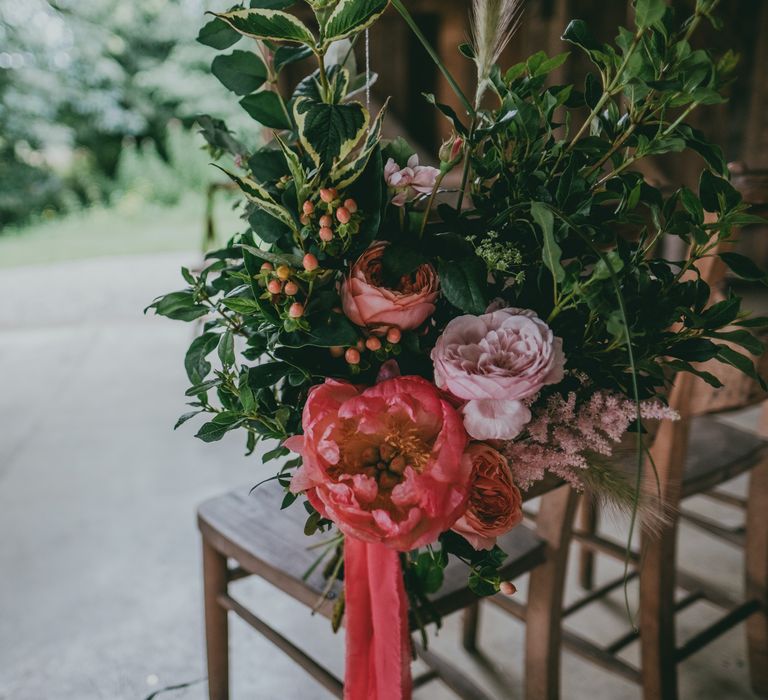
[
  {"x": 577, "y": 32},
  {"x": 267, "y": 375},
  {"x": 266, "y": 107},
  {"x": 741, "y": 337},
  {"x": 348, "y": 172},
  {"x": 187, "y": 416},
  {"x": 242, "y": 72},
  {"x": 219, "y": 426},
  {"x": 242, "y": 305},
  {"x": 273, "y": 25},
  {"x": 203, "y": 387},
  {"x": 285, "y": 55},
  {"x": 218, "y": 35},
  {"x": 179, "y": 306},
  {"x": 744, "y": 267},
  {"x": 352, "y": 16},
  {"x": 194, "y": 362},
  {"x": 399, "y": 260},
  {"x": 708, "y": 377},
  {"x": 694, "y": 350},
  {"x": 329, "y": 132},
  {"x": 729, "y": 356},
  {"x": 326, "y": 331},
  {"x": 716, "y": 193},
  {"x": 227, "y": 349},
  {"x": 551, "y": 252},
  {"x": 649, "y": 12},
  {"x": 463, "y": 283},
  {"x": 603, "y": 271}
]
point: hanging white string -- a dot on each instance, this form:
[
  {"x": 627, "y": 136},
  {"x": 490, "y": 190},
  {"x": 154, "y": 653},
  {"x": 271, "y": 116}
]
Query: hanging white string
[{"x": 367, "y": 70}]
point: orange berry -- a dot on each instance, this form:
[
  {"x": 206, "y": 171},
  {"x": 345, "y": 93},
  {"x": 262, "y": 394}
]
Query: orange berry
[
  {"x": 508, "y": 588},
  {"x": 304, "y": 218},
  {"x": 310, "y": 262},
  {"x": 394, "y": 335},
  {"x": 373, "y": 344},
  {"x": 275, "y": 286},
  {"x": 326, "y": 221},
  {"x": 291, "y": 289},
  {"x": 328, "y": 194},
  {"x": 266, "y": 267},
  {"x": 343, "y": 215},
  {"x": 360, "y": 345},
  {"x": 352, "y": 356},
  {"x": 296, "y": 310},
  {"x": 308, "y": 207},
  {"x": 283, "y": 272},
  {"x": 350, "y": 205},
  {"x": 326, "y": 234},
  {"x": 336, "y": 351}
]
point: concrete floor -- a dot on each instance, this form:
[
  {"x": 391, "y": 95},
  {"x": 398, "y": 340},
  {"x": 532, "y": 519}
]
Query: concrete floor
[{"x": 99, "y": 563}]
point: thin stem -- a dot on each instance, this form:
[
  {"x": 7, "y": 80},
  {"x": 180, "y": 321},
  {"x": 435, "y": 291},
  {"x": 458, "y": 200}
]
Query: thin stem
[
  {"x": 400, "y": 7},
  {"x": 467, "y": 163},
  {"x": 431, "y": 201}
]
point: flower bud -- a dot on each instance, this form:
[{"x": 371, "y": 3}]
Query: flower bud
[
  {"x": 373, "y": 344},
  {"x": 352, "y": 356},
  {"x": 308, "y": 207},
  {"x": 296, "y": 310},
  {"x": 310, "y": 262},
  {"x": 283, "y": 272},
  {"x": 394, "y": 335},
  {"x": 343, "y": 215},
  {"x": 291, "y": 289},
  {"x": 350, "y": 205},
  {"x": 326, "y": 234},
  {"x": 275, "y": 286},
  {"x": 450, "y": 151}
]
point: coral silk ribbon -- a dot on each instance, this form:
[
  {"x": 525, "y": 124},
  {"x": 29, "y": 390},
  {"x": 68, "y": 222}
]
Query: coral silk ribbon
[{"x": 378, "y": 665}]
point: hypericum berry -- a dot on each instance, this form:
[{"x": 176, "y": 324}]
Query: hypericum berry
[
  {"x": 275, "y": 286},
  {"x": 304, "y": 218},
  {"x": 283, "y": 272},
  {"x": 326, "y": 221},
  {"x": 328, "y": 194},
  {"x": 373, "y": 344},
  {"x": 352, "y": 356},
  {"x": 308, "y": 207},
  {"x": 326, "y": 234},
  {"x": 296, "y": 310},
  {"x": 360, "y": 345},
  {"x": 508, "y": 588},
  {"x": 310, "y": 262},
  {"x": 350, "y": 205},
  {"x": 336, "y": 351},
  {"x": 266, "y": 267},
  {"x": 343, "y": 215},
  {"x": 394, "y": 335},
  {"x": 291, "y": 289}
]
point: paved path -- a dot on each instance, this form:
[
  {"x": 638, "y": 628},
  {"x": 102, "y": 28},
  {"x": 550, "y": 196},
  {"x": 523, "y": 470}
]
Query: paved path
[{"x": 99, "y": 564}]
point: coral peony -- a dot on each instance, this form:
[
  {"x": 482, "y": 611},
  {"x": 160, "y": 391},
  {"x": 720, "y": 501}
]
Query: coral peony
[
  {"x": 410, "y": 181},
  {"x": 495, "y": 503},
  {"x": 385, "y": 463},
  {"x": 494, "y": 362},
  {"x": 368, "y": 303}
]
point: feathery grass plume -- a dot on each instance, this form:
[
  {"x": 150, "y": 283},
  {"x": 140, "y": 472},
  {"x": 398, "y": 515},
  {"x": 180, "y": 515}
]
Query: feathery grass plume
[{"x": 494, "y": 22}]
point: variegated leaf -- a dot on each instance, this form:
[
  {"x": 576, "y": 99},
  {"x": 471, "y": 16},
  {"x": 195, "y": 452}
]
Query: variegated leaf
[
  {"x": 352, "y": 16},
  {"x": 269, "y": 24},
  {"x": 347, "y": 173}
]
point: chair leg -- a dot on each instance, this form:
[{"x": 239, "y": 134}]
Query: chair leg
[
  {"x": 589, "y": 513},
  {"x": 470, "y": 622},
  {"x": 545, "y": 597},
  {"x": 216, "y": 623},
  {"x": 756, "y": 583},
  {"x": 657, "y": 615}
]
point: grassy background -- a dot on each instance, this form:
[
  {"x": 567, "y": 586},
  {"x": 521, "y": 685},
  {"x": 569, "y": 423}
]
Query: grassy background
[{"x": 133, "y": 226}]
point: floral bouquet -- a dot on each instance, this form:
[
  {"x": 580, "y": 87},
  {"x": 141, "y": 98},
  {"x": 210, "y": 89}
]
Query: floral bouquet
[{"x": 423, "y": 342}]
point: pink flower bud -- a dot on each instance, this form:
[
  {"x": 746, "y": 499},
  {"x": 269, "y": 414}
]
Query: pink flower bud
[
  {"x": 310, "y": 262},
  {"x": 291, "y": 289},
  {"x": 326, "y": 234},
  {"x": 275, "y": 286},
  {"x": 352, "y": 356},
  {"x": 394, "y": 335},
  {"x": 343, "y": 215},
  {"x": 296, "y": 310},
  {"x": 350, "y": 205}
]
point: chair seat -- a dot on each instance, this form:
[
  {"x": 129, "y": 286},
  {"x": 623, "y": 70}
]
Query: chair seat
[
  {"x": 270, "y": 543},
  {"x": 717, "y": 452}
]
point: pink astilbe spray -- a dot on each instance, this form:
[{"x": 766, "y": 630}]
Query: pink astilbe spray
[{"x": 563, "y": 435}]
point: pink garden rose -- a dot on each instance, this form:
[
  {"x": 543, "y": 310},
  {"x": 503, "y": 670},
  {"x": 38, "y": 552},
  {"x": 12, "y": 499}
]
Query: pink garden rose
[
  {"x": 410, "y": 181},
  {"x": 495, "y": 503},
  {"x": 493, "y": 362},
  {"x": 385, "y": 463},
  {"x": 369, "y": 304}
]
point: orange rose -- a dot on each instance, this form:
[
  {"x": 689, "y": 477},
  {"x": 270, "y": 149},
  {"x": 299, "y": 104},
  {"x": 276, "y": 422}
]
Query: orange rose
[{"x": 495, "y": 503}]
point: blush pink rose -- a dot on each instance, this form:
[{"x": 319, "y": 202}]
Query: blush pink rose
[
  {"x": 410, "y": 181},
  {"x": 494, "y": 362},
  {"x": 368, "y": 303},
  {"x": 495, "y": 503},
  {"x": 385, "y": 463}
]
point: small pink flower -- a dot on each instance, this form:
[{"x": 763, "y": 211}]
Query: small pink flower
[
  {"x": 494, "y": 362},
  {"x": 495, "y": 503},
  {"x": 368, "y": 303},
  {"x": 385, "y": 463},
  {"x": 410, "y": 181}
]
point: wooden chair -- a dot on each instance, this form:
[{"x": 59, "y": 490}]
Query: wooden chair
[{"x": 260, "y": 540}]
